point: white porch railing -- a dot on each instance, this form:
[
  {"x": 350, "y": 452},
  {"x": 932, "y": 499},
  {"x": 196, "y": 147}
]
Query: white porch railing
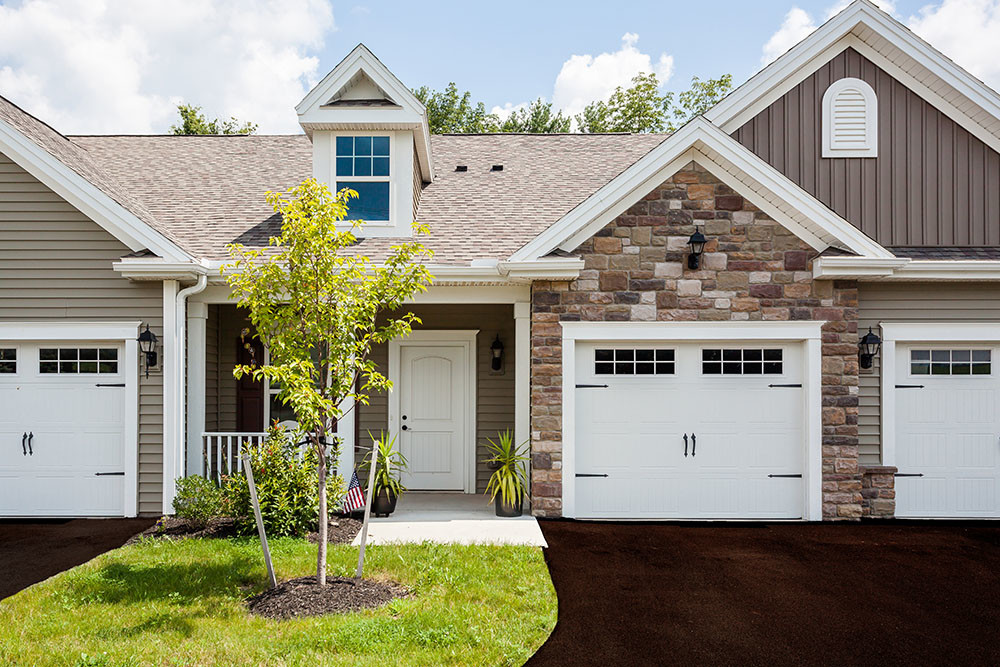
[{"x": 221, "y": 452}]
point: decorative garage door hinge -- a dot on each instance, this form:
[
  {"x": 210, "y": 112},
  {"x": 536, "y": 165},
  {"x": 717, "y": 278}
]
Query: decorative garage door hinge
[
  {"x": 791, "y": 475},
  {"x": 909, "y": 386},
  {"x": 110, "y": 385},
  {"x": 591, "y": 474},
  {"x": 109, "y": 474},
  {"x": 591, "y": 386},
  {"x": 784, "y": 385}
]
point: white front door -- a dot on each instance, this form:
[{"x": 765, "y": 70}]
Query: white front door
[
  {"x": 689, "y": 430},
  {"x": 433, "y": 391},
  {"x": 947, "y": 430},
  {"x": 62, "y": 429}
]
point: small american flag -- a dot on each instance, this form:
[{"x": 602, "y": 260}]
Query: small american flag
[{"x": 355, "y": 498}]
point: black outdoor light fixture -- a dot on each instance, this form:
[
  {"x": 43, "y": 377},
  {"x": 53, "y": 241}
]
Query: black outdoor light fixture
[
  {"x": 496, "y": 363},
  {"x": 697, "y": 243},
  {"x": 147, "y": 345},
  {"x": 868, "y": 347}
]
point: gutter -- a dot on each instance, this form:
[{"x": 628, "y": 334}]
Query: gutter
[
  {"x": 904, "y": 268},
  {"x": 180, "y": 369}
]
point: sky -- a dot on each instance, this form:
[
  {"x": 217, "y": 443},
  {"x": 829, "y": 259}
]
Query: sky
[{"x": 119, "y": 66}]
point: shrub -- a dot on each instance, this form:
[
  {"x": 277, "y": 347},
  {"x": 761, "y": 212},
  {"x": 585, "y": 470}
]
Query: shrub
[
  {"x": 286, "y": 479},
  {"x": 198, "y": 500}
]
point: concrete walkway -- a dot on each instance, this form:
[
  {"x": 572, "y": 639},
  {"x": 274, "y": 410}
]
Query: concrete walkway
[{"x": 451, "y": 518}]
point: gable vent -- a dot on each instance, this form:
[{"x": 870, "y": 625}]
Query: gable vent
[{"x": 850, "y": 120}]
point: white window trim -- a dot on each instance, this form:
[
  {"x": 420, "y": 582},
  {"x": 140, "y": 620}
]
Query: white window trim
[
  {"x": 18, "y": 359},
  {"x": 390, "y": 179},
  {"x": 920, "y": 332},
  {"x": 808, "y": 332},
  {"x": 118, "y": 332},
  {"x": 444, "y": 337},
  {"x": 870, "y": 148}
]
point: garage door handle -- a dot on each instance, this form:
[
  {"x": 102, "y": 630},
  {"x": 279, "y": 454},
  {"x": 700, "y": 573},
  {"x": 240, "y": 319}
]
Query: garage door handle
[
  {"x": 685, "y": 444},
  {"x": 24, "y": 448},
  {"x": 31, "y": 436},
  {"x": 694, "y": 442}
]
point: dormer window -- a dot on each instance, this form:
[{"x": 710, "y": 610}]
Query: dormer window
[
  {"x": 363, "y": 164},
  {"x": 850, "y": 119}
]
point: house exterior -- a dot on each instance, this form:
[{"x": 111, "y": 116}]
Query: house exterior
[{"x": 853, "y": 184}]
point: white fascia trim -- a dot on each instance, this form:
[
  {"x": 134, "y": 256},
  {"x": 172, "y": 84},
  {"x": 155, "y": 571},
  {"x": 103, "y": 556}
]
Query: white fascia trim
[
  {"x": 797, "y": 330},
  {"x": 159, "y": 269},
  {"x": 663, "y": 161},
  {"x": 69, "y": 330},
  {"x": 833, "y": 37},
  {"x": 905, "y": 269},
  {"x": 84, "y": 196},
  {"x": 563, "y": 268},
  {"x": 940, "y": 332}
]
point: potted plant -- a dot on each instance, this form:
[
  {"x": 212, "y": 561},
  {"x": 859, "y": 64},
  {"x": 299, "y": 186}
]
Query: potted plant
[
  {"x": 389, "y": 463},
  {"x": 509, "y": 481}
]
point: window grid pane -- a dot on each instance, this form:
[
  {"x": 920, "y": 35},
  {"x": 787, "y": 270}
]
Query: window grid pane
[
  {"x": 633, "y": 362},
  {"x": 362, "y": 156},
  {"x": 951, "y": 362},
  {"x": 74, "y": 361},
  {"x": 741, "y": 361}
]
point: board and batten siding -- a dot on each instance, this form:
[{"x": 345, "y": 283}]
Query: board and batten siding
[
  {"x": 932, "y": 183},
  {"x": 911, "y": 302},
  {"x": 55, "y": 264}
]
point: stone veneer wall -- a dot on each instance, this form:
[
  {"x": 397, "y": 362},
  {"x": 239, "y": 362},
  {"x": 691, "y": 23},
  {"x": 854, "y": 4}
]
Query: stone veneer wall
[{"x": 752, "y": 269}]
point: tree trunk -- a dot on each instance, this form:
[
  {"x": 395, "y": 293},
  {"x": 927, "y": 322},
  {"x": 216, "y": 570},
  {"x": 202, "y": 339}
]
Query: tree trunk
[{"x": 324, "y": 520}]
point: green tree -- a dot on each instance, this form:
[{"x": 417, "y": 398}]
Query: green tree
[
  {"x": 642, "y": 108},
  {"x": 315, "y": 305},
  {"x": 193, "y": 121},
  {"x": 451, "y": 112},
  {"x": 537, "y": 117}
]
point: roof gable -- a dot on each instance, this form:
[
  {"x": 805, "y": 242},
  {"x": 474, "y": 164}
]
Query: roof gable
[
  {"x": 890, "y": 45},
  {"x": 747, "y": 174}
]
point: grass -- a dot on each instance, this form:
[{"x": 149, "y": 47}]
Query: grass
[{"x": 181, "y": 603}]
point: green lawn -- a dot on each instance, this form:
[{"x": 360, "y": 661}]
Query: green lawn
[{"x": 180, "y": 603}]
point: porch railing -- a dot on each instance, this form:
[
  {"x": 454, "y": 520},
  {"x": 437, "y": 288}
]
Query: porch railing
[{"x": 221, "y": 452}]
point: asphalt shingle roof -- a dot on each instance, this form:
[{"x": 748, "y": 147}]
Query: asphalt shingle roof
[
  {"x": 945, "y": 252},
  {"x": 209, "y": 190}
]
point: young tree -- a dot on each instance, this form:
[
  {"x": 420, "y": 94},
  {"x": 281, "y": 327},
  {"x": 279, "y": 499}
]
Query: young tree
[
  {"x": 193, "y": 121},
  {"x": 536, "y": 118},
  {"x": 452, "y": 112},
  {"x": 315, "y": 305}
]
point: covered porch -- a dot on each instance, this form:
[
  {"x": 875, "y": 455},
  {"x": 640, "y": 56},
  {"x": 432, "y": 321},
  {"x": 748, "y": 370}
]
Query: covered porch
[{"x": 450, "y": 394}]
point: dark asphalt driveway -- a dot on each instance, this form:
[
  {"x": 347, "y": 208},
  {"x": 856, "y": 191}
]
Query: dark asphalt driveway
[
  {"x": 775, "y": 594},
  {"x": 31, "y": 551}
]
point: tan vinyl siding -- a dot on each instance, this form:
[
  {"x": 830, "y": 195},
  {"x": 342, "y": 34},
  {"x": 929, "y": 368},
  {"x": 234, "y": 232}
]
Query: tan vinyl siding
[
  {"x": 55, "y": 264},
  {"x": 224, "y": 323},
  {"x": 932, "y": 183},
  {"x": 212, "y": 369},
  {"x": 911, "y": 302}
]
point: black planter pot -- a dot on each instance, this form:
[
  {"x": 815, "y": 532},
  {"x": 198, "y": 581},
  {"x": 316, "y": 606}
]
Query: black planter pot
[
  {"x": 509, "y": 511},
  {"x": 384, "y": 502}
]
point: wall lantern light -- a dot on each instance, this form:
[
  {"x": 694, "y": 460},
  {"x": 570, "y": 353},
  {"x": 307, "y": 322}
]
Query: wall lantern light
[
  {"x": 868, "y": 348},
  {"x": 697, "y": 243},
  {"x": 147, "y": 345},
  {"x": 496, "y": 363}
]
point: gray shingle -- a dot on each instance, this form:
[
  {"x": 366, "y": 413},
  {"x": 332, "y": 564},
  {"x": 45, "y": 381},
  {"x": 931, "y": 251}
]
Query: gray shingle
[{"x": 950, "y": 252}]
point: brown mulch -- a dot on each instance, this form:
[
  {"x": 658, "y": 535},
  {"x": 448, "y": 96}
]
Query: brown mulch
[
  {"x": 304, "y": 597},
  {"x": 340, "y": 530},
  {"x": 172, "y": 528}
]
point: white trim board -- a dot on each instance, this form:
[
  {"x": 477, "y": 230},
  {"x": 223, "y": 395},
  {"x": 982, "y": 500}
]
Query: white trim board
[
  {"x": 69, "y": 330},
  {"x": 918, "y": 332},
  {"x": 905, "y": 269},
  {"x": 85, "y": 196},
  {"x": 444, "y": 338},
  {"x": 752, "y": 177},
  {"x": 808, "y": 332}
]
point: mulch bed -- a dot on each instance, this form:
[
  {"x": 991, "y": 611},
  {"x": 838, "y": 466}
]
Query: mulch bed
[
  {"x": 304, "y": 597},
  {"x": 340, "y": 530},
  {"x": 172, "y": 528}
]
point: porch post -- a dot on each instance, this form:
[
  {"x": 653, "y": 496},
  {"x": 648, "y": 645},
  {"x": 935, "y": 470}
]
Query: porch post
[
  {"x": 345, "y": 432},
  {"x": 197, "y": 314},
  {"x": 522, "y": 373}
]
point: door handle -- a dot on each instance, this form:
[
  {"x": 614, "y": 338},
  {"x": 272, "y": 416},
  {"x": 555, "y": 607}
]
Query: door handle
[
  {"x": 31, "y": 436},
  {"x": 694, "y": 442},
  {"x": 24, "y": 449},
  {"x": 685, "y": 444},
  {"x": 405, "y": 427}
]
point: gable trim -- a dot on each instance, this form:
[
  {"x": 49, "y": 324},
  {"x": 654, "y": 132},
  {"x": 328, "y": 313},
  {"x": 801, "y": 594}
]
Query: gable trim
[
  {"x": 835, "y": 36},
  {"x": 699, "y": 140},
  {"x": 85, "y": 196}
]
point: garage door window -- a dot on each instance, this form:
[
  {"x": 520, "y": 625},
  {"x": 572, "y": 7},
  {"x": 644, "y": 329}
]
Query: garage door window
[
  {"x": 950, "y": 362},
  {"x": 741, "y": 361},
  {"x": 633, "y": 362},
  {"x": 75, "y": 361},
  {"x": 8, "y": 360}
]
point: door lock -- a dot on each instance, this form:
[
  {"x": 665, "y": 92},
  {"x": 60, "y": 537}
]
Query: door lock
[{"x": 405, "y": 428}]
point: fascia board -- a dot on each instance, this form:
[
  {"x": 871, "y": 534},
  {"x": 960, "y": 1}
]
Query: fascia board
[{"x": 85, "y": 196}]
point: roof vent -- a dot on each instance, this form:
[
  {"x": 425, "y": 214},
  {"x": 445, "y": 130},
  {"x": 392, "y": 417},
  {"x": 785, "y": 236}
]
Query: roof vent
[
  {"x": 497, "y": 167},
  {"x": 461, "y": 167}
]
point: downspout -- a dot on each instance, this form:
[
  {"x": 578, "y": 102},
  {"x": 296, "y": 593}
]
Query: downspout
[{"x": 181, "y": 371}]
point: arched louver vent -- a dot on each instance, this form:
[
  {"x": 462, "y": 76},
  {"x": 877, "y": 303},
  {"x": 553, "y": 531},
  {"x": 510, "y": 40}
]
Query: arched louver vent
[{"x": 850, "y": 120}]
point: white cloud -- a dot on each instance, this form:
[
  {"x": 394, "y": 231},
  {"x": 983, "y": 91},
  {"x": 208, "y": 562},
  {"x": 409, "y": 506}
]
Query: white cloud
[
  {"x": 586, "y": 78},
  {"x": 507, "y": 109},
  {"x": 966, "y": 31},
  {"x": 799, "y": 24},
  {"x": 118, "y": 66}
]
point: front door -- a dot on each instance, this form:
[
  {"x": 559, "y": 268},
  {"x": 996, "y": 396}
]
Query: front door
[{"x": 432, "y": 415}]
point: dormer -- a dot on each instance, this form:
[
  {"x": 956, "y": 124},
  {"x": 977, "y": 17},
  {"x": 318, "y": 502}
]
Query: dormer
[{"x": 369, "y": 134}]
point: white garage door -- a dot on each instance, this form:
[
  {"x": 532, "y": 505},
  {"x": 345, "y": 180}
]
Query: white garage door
[
  {"x": 688, "y": 430},
  {"x": 947, "y": 430},
  {"x": 61, "y": 429}
]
